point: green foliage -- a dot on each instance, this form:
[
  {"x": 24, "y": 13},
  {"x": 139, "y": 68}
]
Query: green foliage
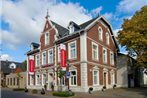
[
  {"x": 34, "y": 91},
  {"x": 18, "y": 89},
  {"x": 134, "y": 36},
  {"x": 24, "y": 65},
  {"x": 61, "y": 73},
  {"x": 63, "y": 94}
]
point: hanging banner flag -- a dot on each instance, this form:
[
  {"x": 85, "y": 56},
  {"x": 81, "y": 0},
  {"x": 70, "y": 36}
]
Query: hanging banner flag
[
  {"x": 31, "y": 65},
  {"x": 63, "y": 56}
]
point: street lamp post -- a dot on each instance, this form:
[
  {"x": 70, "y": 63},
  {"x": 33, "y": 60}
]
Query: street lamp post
[{"x": 68, "y": 73}]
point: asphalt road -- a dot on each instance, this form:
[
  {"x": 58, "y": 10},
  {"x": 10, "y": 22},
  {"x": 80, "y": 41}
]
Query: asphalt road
[{"x": 5, "y": 93}]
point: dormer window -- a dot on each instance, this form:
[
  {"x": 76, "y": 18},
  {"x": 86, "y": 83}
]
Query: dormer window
[
  {"x": 46, "y": 38},
  {"x": 71, "y": 28}
]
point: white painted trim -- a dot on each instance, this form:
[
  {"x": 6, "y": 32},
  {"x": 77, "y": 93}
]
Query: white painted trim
[
  {"x": 100, "y": 33},
  {"x": 106, "y": 59},
  {"x": 70, "y": 77},
  {"x": 97, "y": 58},
  {"x": 52, "y": 56},
  {"x": 99, "y": 43},
  {"x": 98, "y": 76},
  {"x": 69, "y": 52},
  {"x": 42, "y": 57}
]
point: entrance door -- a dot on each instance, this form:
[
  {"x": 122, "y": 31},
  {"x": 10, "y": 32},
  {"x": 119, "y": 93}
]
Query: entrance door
[
  {"x": 104, "y": 79},
  {"x": 50, "y": 80}
]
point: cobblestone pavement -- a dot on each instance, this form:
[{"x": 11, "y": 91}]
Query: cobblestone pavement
[{"x": 112, "y": 93}]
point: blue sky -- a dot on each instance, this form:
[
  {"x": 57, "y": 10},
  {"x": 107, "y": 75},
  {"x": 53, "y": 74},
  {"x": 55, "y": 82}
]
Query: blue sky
[{"x": 22, "y": 21}]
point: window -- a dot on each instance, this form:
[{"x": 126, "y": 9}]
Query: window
[
  {"x": 13, "y": 81},
  {"x": 112, "y": 78},
  {"x": 104, "y": 55},
  {"x": 72, "y": 50},
  {"x": 50, "y": 56},
  {"x": 100, "y": 30},
  {"x": 44, "y": 58},
  {"x": 73, "y": 78},
  {"x": 38, "y": 79},
  {"x": 62, "y": 81},
  {"x": 44, "y": 79},
  {"x": 31, "y": 80},
  {"x": 95, "y": 77},
  {"x": 107, "y": 38},
  {"x": 58, "y": 54},
  {"x": 46, "y": 38},
  {"x": 111, "y": 58},
  {"x": 94, "y": 51},
  {"x": 8, "y": 81},
  {"x": 37, "y": 60}
]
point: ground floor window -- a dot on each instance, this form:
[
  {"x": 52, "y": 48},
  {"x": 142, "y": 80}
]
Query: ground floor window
[
  {"x": 112, "y": 78},
  {"x": 73, "y": 78},
  {"x": 62, "y": 81},
  {"x": 13, "y": 81},
  {"x": 7, "y": 81},
  {"x": 38, "y": 82},
  {"x": 44, "y": 79},
  {"x": 95, "y": 77},
  {"x": 31, "y": 79}
]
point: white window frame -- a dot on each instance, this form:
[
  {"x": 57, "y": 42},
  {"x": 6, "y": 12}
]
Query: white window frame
[
  {"x": 97, "y": 51},
  {"x": 69, "y": 50},
  {"x": 43, "y": 79},
  {"x": 104, "y": 49},
  {"x": 59, "y": 54},
  {"x": 73, "y": 78},
  {"x": 111, "y": 58},
  {"x": 50, "y": 61},
  {"x": 107, "y": 38},
  {"x": 37, "y": 60},
  {"x": 31, "y": 79},
  {"x": 43, "y": 63},
  {"x": 100, "y": 33},
  {"x": 36, "y": 79},
  {"x": 98, "y": 79},
  {"x": 47, "y": 38},
  {"x": 112, "y": 78},
  {"x": 62, "y": 81}
]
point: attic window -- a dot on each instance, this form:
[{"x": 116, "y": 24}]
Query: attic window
[
  {"x": 71, "y": 28},
  {"x": 46, "y": 38}
]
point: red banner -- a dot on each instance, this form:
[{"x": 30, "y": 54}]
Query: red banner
[
  {"x": 31, "y": 65},
  {"x": 63, "y": 56}
]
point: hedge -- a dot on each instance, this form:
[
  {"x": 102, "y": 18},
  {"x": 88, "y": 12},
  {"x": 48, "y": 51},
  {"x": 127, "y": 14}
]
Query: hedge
[
  {"x": 18, "y": 89},
  {"x": 63, "y": 94}
]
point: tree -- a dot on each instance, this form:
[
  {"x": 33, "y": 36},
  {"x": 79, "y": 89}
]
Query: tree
[{"x": 134, "y": 36}]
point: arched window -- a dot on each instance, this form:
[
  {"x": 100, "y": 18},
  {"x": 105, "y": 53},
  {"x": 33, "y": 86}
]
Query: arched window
[
  {"x": 100, "y": 30},
  {"x": 107, "y": 38}
]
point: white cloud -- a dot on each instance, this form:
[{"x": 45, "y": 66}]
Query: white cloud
[
  {"x": 26, "y": 18},
  {"x": 5, "y": 57},
  {"x": 130, "y": 6},
  {"x": 115, "y": 31},
  {"x": 96, "y": 11},
  {"x": 108, "y": 16}
]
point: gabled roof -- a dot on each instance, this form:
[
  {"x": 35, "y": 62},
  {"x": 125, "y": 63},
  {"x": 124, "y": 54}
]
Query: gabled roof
[
  {"x": 85, "y": 24},
  {"x": 35, "y": 45},
  {"x": 61, "y": 30},
  {"x": 4, "y": 65}
]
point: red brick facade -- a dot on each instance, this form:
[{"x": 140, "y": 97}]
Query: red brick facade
[{"x": 88, "y": 65}]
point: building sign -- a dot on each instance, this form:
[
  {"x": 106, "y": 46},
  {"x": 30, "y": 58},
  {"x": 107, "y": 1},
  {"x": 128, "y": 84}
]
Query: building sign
[
  {"x": 63, "y": 56},
  {"x": 31, "y": 64}
]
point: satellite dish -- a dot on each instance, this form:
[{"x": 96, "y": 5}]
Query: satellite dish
[{"x": 12, "y": 66}]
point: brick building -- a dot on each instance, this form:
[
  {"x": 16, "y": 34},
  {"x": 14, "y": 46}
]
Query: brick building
[{"x": 91, "y": 49}]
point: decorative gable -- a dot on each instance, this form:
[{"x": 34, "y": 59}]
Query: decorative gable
[{"x": 47, "y": 26}]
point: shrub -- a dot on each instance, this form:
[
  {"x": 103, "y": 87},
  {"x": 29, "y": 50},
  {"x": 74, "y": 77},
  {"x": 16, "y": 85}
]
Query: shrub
[
  {"x": 18, "y": 89},
  {"x": 63, "y": 94},
  {"x": 34, "y": 91}
]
